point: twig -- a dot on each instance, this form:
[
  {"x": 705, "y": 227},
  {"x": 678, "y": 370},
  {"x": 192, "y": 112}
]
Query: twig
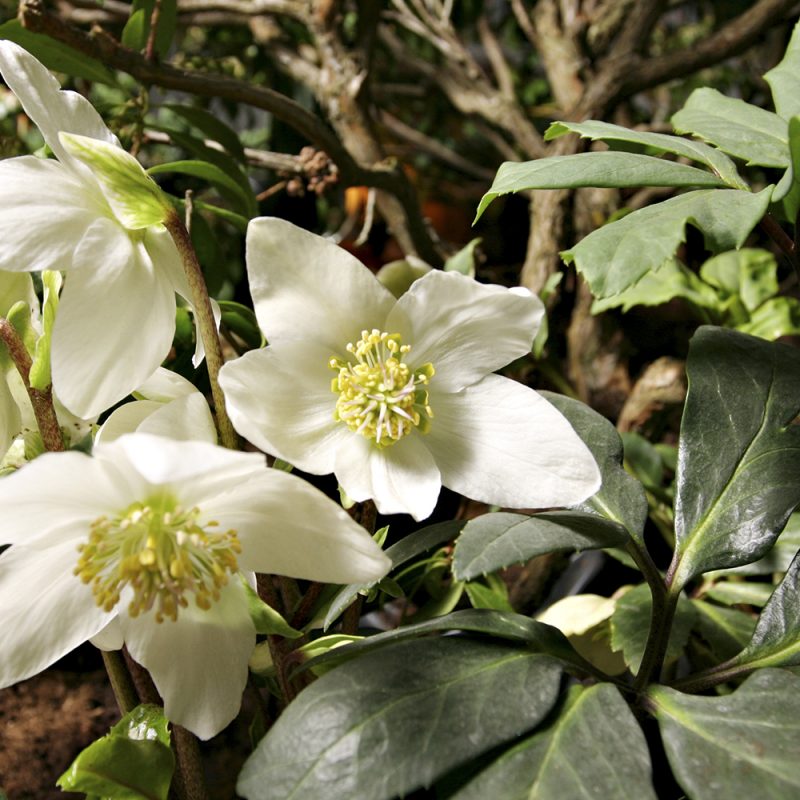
[{"x": 150, "y": 48}]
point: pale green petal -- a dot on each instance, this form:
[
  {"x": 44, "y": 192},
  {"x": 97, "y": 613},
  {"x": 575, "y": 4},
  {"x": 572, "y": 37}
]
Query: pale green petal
[
  {"x": 199, "y": 662},
  {"x": 501, "y": 443},
  {"x": 47, "y": 611},
  {"x": 287, "y": 527},
  {"x": 280, "y": 399},
  {"x": 47, "y": 214},
  {"x": 306, "y": 287},
  {"x": 133, "y": 195},
  {"x": 16, "y": 286},
  {"x": 50, "y": 108},
  {"x": 114, "y": 326},
  {"x": 402, "y": 478},
  {"x": 464, "y": 328}
]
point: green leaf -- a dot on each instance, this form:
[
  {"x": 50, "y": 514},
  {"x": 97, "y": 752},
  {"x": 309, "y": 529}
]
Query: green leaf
[
  {"x": 464, "y": 260},
  {"x": 397, "y": 276},
  {"x": 750, "y": 273},
  {"x": 738, "y": 128},
  {"x": 211, "y": 126},
  {"x": 616, "y": 256},
  {"x": 57, "y": 55},
  {"x": 137, "y": 28},
  {"x": 132, "y": 762},
  {"x": 738, "y": 745},
  {"x": 734, "y": 593},
  {"x": 493, "y": 541},
  {"x": 778, "y": 558},
  {"x": 594, "y": 750},
  {"x": 609, "y": 169},
  {"x": 776, "y": 639},
  {"x": 788, "y": 189},
  {"x": 403, "y": 551},
  {"x": 643, "y": 459},
  {"x": 782, "y": 79},
  {"x": 738, "y": 474},
  {"x": 242, "y": 321},
  {"x": 265, "y": 618},
  {"x": 630, "y": 624},
  {"x": 779, "y": 316},
  {"x": 384, "y": 724},
  {"x": 39, "y": 376},
  {"x": 621, "y": 497},
  {"x": 672, "y": 279},
  {"x": 230, "y": 188},
  {"x": 726, "y": 630},
  {"x": 537, "y": 636},
  {"x": 493, "y": 596},
  {"x": 659, "y": 142}
]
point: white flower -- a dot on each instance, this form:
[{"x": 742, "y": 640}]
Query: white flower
[
  {"x": 123, "y": 268},
  {"x": 396, "y": 396},
  {"x": 166, "y": 405},
  {"x": 142, "y": 543}
]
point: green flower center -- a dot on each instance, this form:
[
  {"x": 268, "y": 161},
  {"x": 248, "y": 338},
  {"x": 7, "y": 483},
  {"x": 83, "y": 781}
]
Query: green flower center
[
  {"x": 160, "y": 552},
  {"x": 380, "y": 396}
]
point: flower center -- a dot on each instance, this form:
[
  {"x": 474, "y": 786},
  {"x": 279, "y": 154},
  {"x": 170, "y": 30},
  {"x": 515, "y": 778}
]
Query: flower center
[
  {"x": 160, "y": 552},
  {"x": 380, "y": 396}
]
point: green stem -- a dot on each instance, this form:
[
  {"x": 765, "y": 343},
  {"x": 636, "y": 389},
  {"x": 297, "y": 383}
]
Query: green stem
[
  {"x": 702, "y": 681},
  {"x": 206, "y": 323},
  {"x": 121, "y": 682},
  {"x": 41, "y": 399},
  {"x": 189, "y": 781}
]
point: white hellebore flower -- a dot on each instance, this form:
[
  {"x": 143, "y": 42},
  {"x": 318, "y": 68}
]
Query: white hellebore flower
[
  {"x": 95, "y": 214},
  {"x": 396, "y": 396},
  {"x": 142, "y": 544}
]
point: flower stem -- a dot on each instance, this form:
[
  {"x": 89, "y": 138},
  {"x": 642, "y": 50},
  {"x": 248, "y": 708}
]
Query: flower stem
[
  {"x": 189, "y": 778},
  {"x": 121, "y": 681},
  {"x": 41, "y": 399},
  {"x": 206, "y": 323}
]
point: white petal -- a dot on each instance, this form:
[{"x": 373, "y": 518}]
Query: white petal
[
  {"x": 52, "y": 109},
  {"x": 46, "y": 609},
  {"x": 186, "y": 418},
  {"x": 288, "y": 527},
  {"x": 306, "y": 287},
  {"x": 47, "y": 214},
  {"x": 110, "y": 638},
  {"x": 199, "y": 662},
  {"x": 54, "y": 491},
  {"x": 195, "y": 470},
  {"x": 280, "y": 399},
  {"x": 125, "y": 419},
  {"x": 114, "y": 326},
  {"x": 402, "y": 478},
  {"x": 165, "y": 385},
  {"x": 464, "y": 328},
  {"x": 501, "y": 443}
]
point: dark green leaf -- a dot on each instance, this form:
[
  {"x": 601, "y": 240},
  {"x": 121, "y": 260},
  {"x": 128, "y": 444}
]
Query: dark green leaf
[
  {"x": 242, "y": 321},
  {"x": 133, "y": 762},
  {"x": 621, "y": 497},
  {"x": 778, "y": 558},
  {"x": 57, "y": 55},
  {"x": 616, "y": 256},
  {"x": 660, "y": 142},
  {"x": 210, "y": 126},
  {"x": 738, "y": 474},
  {"x": 738, "y": 128},
  {"x": 537, "y": 636},
  {"x": 608, "y": 169},
  {"x": 726, "y": 630},
  {"x": 593, "y": 750},
  {"x": 630, "y": 625},
  {"x": 226, "y": 185},
  {"x": 403, "y": 551},
  {"x": 390, "y": 721},
  {"x": 782, "y": 79},
  {"x": 494, "y": 541},
  {"x": 642, "y": 459},
  {"x": 788, "y": 189},
  {"x": 776, "y": 639},
  {"x": 745, "y": 744}
]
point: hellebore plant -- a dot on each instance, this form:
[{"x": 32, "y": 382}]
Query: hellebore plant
[
  {"x": 94, "y": 214},
  {"x": 396, "y": 396},
  {"x": 149, "y": 543}
]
